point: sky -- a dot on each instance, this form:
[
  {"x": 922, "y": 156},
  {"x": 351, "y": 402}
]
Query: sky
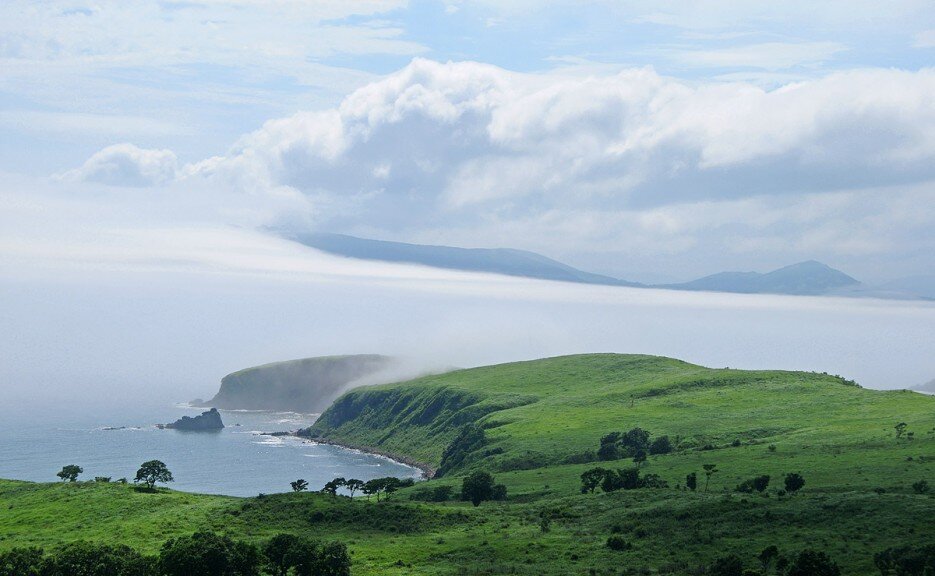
[
  {"x": 656, "y": 141},
  {"x": 149, "y": 150}
]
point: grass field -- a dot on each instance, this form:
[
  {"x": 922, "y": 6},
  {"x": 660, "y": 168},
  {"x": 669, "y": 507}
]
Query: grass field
[{"x": 540, "y": 416}]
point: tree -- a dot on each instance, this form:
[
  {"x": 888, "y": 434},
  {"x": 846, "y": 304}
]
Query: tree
[
  {"x": 709, "y": 470},
  {"x": 635, "y": 440},
  {"x": 730, "y": 565},
  {"x": 353, "y": 485},
  {"x": 608, "y": 449},
  {"x": 477, "y": 487},
  {"x": 691, "y": 481},
  {"x": 277, "y": 552},
  {"x": 372, "y": 487},
  {"x": 87, "y": 559},
  {"x": 332, "y": 486},
  {"x": 498, "y": 493},
  {"x": 760, "y": 483},
  {"x": 207, "y": 554},
  {"x": 21, "y": 562},
  {"x": 813, "y": 563},
  {"x": 793, "y": 482},
  {"x": 299, "y": 485},
  {"x": 391, "y": 484},
  {"x": 900, "y": 428},
  {"x": 767, "y": 557},
  {"x": 334, "y": 560},
  {"x": 70, "y": 473},
  {"x": 639, "y": 457},
  {"x": 152, "y": 472},
  {"x": 591, "y": 479},
  {"x": 661, "y": 445}
]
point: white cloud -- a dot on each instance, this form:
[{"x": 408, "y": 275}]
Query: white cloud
[
  {"x": 127, "y": 165},
  {"x": 630, "y": 163}
]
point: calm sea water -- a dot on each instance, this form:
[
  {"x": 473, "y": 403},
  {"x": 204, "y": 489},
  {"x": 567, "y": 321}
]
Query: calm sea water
[{"x": 238, "y": 461}]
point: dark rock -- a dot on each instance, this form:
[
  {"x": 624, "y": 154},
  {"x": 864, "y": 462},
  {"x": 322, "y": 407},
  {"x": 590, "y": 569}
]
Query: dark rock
[{"x": 210, "y": 420}]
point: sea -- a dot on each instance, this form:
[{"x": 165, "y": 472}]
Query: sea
[{"x": 239, "y": 460}]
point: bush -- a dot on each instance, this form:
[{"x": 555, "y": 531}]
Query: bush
[
  {"x": 813, "y": 563},
  {"x": 616, "y": 542},
  {"x": 920, "y": 487},
  {"x": 660, "y": 445},
  {"x": 86, "y": 559},
  {"x": 207, "y": 554},
  {"x": 730, "y": 565},
  {"x": 21, "y": 562}
]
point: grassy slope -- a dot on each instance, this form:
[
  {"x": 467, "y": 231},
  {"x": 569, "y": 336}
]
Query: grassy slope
[
  {"x": 557, "y": 408},
  {"x": 840, "y": 437}
]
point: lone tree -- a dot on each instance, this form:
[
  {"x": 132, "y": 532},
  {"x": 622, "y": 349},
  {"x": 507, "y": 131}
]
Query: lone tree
[
  {"x": 477, "y": 487},
  {"x": 152, "y": 472},
  {"x": 760, "y": 483},
  {"x": 793, "y": 482},
  {"x": 591, "y": 479},
  {"x": 709, "y": 470},
  {"x": 900, "y": 428},
  {"x": 691, "y": 481},
  {"x": 70, "y": 473},
  {"x": 299, "y": 485},
  {"x": 353, "y": 485}
]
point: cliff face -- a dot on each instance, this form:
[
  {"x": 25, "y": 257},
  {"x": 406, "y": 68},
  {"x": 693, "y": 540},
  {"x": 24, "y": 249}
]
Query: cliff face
[
  {"x": 308, "y": 385},
  {"x": 210, "y": 420}
]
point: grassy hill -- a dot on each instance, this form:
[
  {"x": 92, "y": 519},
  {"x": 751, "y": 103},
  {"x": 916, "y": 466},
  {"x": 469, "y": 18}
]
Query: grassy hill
[
  {"x": 554, "y": 411},
  {"x": 542, "y": 422}
]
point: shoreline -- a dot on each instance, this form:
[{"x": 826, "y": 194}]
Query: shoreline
[{"x": 428, "y": 472}]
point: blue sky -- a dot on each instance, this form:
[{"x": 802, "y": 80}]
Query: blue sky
[{"x": 652, "y": 140}]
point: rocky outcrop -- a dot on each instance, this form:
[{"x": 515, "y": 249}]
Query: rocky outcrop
[{"x": 210, "y": 420}]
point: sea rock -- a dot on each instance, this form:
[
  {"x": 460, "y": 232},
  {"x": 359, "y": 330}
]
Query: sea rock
[{"x": 210, "y": 420}]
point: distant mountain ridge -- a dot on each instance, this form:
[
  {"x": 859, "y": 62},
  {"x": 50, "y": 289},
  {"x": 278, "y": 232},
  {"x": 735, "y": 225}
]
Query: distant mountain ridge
[
  {"x": 928, "y": 387},
  {"x": 804, "y": 278},
  {"x": 495, "y": 260}
]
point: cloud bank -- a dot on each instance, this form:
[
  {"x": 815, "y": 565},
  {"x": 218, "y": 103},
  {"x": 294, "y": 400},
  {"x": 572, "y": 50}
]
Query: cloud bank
[{"x": 631, "y": 162}]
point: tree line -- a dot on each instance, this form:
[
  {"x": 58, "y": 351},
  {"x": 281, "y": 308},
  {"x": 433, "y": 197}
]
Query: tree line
[{"x": 202, "y": 554}]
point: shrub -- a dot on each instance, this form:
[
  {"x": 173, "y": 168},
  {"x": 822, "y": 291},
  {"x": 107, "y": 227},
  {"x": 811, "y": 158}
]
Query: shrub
[
  {"x": 616, "y": 542},
  {"x": 207, "y": 554},
  {"x": 812, "y": 563},
  {"x": 86, "y": 559},
  {"x": 793, "y": 482},
  {"x": 920, "y": 487},
  {"x": 660, "y": 445},
  {"x": 21, "y": 562},
  {"x": 730, "y": 565}
]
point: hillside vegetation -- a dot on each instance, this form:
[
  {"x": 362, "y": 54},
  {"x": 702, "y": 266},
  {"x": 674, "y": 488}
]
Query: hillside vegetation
[
  {"x": 867, "y": 459},
  {"x": 554, "y": 411}
]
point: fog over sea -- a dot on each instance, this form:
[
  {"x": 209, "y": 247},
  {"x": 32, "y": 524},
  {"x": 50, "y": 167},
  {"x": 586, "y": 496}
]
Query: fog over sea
[{"x": 123, "y": 347}]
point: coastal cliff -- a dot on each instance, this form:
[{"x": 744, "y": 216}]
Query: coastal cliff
[{"x": 307, "y": 385}]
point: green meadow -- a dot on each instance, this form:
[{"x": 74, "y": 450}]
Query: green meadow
[{"x": 542, "y": 423}]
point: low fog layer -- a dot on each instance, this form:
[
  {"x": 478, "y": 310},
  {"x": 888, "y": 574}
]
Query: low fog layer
[{"x": 166, "y": 316}]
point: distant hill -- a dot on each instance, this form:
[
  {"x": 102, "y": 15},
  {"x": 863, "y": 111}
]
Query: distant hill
[
  {"x": 307, "y": 385},
  {"x": 804, "y": 278},
  {"x": 928, "y": 387},
  {"x": 495, "y": 260}
]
